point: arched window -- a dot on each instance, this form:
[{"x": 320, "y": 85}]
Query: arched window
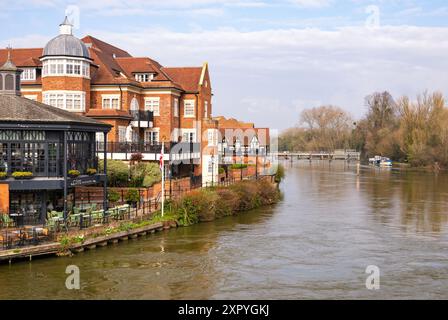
[
  {"x": 9, "y": 82},
  {"x": 134, "y": 104},
  {"x": 1, "y": 82}
]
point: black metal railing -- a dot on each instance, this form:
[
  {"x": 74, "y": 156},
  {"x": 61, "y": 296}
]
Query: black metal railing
[
  {"x": 135, "y": 147},
  {"x": 244, "y": 151},
  {"x": 140, "y": 115}
]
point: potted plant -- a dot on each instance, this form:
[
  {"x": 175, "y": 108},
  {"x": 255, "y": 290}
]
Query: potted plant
[
  {"x": 73, "y": 173},
  {"x": 22, "y": 175},
  {"x": 91, "y": 171},
  {"x": 3, "y": 175}
]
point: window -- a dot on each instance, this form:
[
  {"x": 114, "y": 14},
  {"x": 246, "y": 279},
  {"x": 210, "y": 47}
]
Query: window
[
  {"x": 144, "y": 77},
  {"x": 28, "y": 74},
  {"x": 70, "y": 101},
  {"x": 176, "y": 107},
  {"x": 206, "y": 109},
  {"x": 9, "y": 82},
  {"x": 189, "y": 108},
  {"x": 69, "y": 67},
  {"x": 111, "y": 102},
  {"x": 212, "y": 137},
  {"x": 153, "y": 104},
  {"x": 189, "y": 135},
  {"x": 121, "y": 134},
  {"x": 152, "y": 136}
]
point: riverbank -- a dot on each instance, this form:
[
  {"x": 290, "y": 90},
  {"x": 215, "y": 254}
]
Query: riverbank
[{"x": 201, "y": 205}]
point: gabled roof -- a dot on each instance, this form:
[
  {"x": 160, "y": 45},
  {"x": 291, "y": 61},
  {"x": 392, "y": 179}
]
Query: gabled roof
[
  {"x": 15, "y": 108},
  {"x": 188, "y": 77},
  {"x": 117, "y": 66}
]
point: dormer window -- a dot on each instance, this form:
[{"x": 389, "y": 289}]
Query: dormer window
[
  {"x": 28, "y": 74},
  {"x": 144, "y": 77}
]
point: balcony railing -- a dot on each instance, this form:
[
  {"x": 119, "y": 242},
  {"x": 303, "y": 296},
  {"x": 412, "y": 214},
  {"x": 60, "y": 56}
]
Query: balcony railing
[
  {"x": 130, "y": 147},
  {"x": 245, "y": 151},
  {"x": 140, "y": 115}
]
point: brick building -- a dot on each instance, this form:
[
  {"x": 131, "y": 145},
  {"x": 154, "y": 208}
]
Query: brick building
[{"x": 146, "y": 103}]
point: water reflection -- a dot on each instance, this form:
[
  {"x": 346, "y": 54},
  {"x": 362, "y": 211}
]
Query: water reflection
[{"x": 316, "y": 243}]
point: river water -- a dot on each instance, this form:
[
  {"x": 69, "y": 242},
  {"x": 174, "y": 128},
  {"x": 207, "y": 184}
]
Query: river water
[{"x": 315, "y": 244}]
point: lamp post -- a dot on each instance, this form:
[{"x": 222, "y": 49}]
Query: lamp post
[
  {"x": 213, "y": 169},
  {"x": 241, "y": 166},
  {"x": 256, "y": 164}
]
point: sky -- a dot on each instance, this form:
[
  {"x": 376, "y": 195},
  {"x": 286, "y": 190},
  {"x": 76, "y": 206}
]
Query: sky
[{"x": 269, "y": 60}]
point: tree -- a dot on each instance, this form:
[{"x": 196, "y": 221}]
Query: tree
[{"x": 328, "y": 128}]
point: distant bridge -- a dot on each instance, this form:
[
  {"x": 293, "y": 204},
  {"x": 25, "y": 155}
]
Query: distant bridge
[{"x": 346, "y": 155}]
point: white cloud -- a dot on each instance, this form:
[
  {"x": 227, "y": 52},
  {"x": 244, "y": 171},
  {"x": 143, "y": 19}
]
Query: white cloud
[
  {"x": 268, "y": 76},
  {"x": 312, "y": 3}
]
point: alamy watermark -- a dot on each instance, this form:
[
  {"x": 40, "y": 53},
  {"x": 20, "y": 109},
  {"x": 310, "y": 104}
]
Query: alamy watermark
[
  {"x": 373, "y": 280},
  {"x": 73, "y": 281}
]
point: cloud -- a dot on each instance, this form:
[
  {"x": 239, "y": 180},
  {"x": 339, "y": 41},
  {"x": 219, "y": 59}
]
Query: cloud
[
  {"x": 312, "y": 3},
  {"x": 268, "y": 76}
]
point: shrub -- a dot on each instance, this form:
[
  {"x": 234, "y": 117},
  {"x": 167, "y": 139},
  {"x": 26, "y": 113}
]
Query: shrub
[
  {"x": 3, "y": 175},
  {"x": 117, "y": 172},
  {"x": 136, "y": 157},
  {"x": 247, "y": 195},
  {"x": 132, "y": 196},
  {"x": 22, "y": 174},
  {"x": 222, "y": 170},
  {"x": 226, "y": 203},
  {"x": 145, "y": 175},
  {"x": 74, "y": 173},
  {"x": 279, "y": 173},
  {"x": 91, "y": 171},
  {"x": 113, "y": 196}
]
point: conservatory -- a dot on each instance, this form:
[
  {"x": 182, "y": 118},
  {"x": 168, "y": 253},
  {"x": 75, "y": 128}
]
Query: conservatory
[{"x": 44, "y": 153}]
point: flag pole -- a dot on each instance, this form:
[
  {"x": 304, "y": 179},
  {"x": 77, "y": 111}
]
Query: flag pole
[{"x": 162, "y": 163}]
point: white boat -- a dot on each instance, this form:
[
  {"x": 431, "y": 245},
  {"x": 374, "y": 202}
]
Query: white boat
[{"x": 380, "y": 161}]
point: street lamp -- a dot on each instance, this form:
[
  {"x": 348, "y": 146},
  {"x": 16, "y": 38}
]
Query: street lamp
[{"x": 213, "y": 169}]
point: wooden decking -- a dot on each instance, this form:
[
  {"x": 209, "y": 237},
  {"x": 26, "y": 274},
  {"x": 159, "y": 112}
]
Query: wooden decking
[{"x": 54, "y": 248}]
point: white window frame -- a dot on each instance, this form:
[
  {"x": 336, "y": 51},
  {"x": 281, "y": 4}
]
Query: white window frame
[
  {"x": 176, "y": 107},
  {"x": 144, "y": 77},
  {"x": 73, "y": 101},
  {"x": 28, "y": 74},
  {"x": 189, "y": 108},
  {"x": 61, "y": 66},
  {"x": 187, "y": 135},
  {"x": 212, "y": 137},
  {"x": 205, "y": 109},
  {"x": 122, "y": 136},
  {"x": 108, "y": 102},
  {"x": 153, "y": 104},
  {"x": 152, "y": 132}
]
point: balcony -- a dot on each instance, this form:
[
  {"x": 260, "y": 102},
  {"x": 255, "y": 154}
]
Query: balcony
[
  {"x": 142, "y": 119},
  {"x": 174, "y": 151}
]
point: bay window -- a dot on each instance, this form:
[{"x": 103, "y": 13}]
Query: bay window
[{"x": 65, "y": 67}]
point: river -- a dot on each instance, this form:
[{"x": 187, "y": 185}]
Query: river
[{"x": 315, "y": 244}]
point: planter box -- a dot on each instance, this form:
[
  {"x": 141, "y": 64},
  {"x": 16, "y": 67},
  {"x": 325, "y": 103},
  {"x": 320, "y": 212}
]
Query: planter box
[{"x": 23, "y": 178}]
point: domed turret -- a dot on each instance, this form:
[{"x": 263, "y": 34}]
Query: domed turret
[
  {"x": 65, "y": 44},
  {"x": 66, "y": 71}
]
